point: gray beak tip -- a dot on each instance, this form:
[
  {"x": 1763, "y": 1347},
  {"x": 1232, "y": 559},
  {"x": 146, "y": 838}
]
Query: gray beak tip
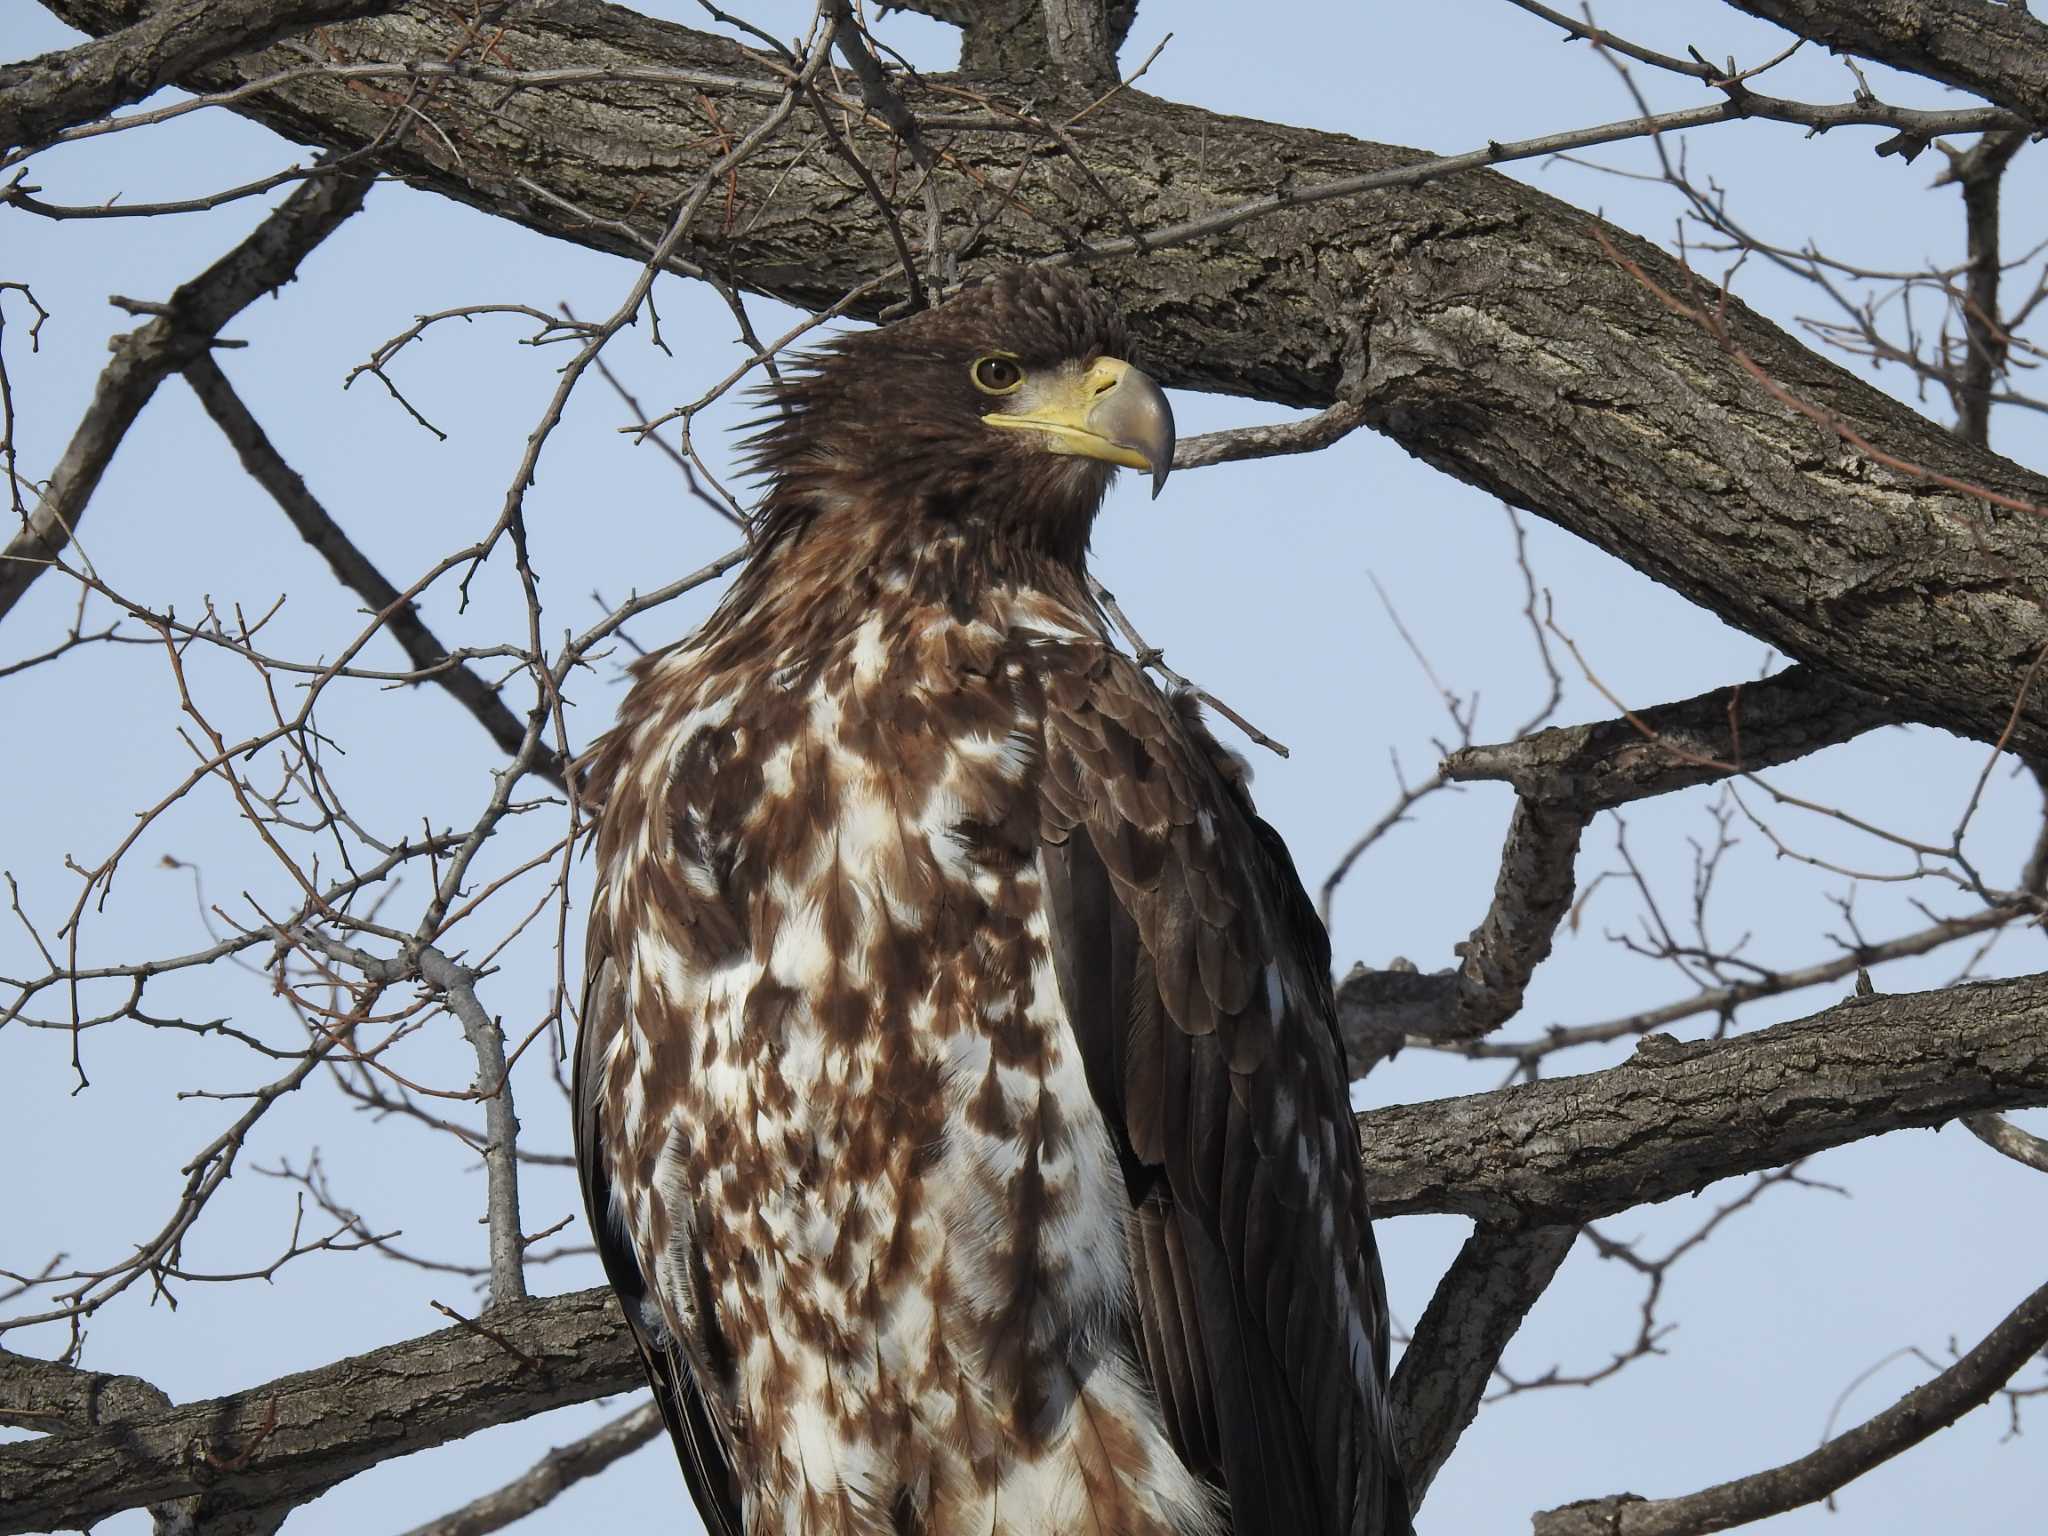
[{"x": 1135, "y": 415}]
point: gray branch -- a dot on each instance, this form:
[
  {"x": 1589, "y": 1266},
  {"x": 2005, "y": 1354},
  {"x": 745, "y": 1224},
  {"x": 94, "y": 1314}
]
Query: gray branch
[
  {"x": 501, "y": 1126},
  {"x": 1074, "y": 41},
  {"x": 53, "y": 1397},
  {"x": 1980, "y": 171},
  {"x": 1562, "y": 778},
  {"x": 1079, "y": 37},
  {"x": 1379, "y": 1011},
  {"x": 53, "y": 91},
  {"x": 456, "y": 983},
  {"x": 1558, "y": 1152},
  {"x": 2001, "y": 1135},
  {"x": 1996, "y": 50},
  {"x": 1478, "y": 1306},
  {"x": 539, "y": 1485},
  {"x": 1701, "y": 740},
  {"x": 1967, "y": 1384},
  {"x": 1725, "y": 1000},
  {"x": 280, "y": 1442},
  {"x": 1508, "y": 345},
  {"x": 180, "y": 331},
  {"x": 355, "y": 570},
  {"x": 1675, "y": 1117}
]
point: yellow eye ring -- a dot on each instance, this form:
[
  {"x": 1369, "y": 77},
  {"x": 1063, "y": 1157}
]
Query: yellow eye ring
[{"x": 997, "y": 374}]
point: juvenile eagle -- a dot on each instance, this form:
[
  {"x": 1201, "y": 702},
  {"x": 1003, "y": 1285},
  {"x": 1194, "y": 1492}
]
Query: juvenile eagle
[{"x": 959, "y": 1106}]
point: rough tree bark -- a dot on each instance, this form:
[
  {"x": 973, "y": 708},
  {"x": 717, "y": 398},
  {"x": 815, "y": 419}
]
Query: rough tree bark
[
  {"x": 1551, "y": 1154},
  {"x": 1571, "y": 1149},
  {"x": 56, "y": 90},
  {"x": 1506, "y": 344},
  {"x": 279, "y": 1443},
  {"x": 1997, "y": 50}
]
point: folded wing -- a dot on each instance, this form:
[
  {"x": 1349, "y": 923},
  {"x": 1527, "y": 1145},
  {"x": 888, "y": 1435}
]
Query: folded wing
[{"x": 1196, "y": 978}]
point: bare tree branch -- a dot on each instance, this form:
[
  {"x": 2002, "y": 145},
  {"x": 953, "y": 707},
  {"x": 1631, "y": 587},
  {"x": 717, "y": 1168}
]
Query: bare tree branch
[
  {"x": 181, "y": 330},
  {"x": 501, "y": 1125},
  {"x": 1563, "y": 776},
  {"x": 59, "y": 90},
  {"x": 1998, "y": 51},
  {"x": 304, "y": 1432},
  {"x": 1676, "y": 1117},
  {"x": 2001, "y": 1134},
  {"x": 456, "y": 985},
  {"x": 1724, "y": 1000},
  {"x": 1967, "y": 1384},
  {"x": 1081, "y": 41},
  {"x": 1980, "y": 171},
  {"x": 1379, "y": 1011},
  {"x": 881, "y": 97},
  {"x": 1701, "y": 740},
  {"x": 1236, "y": 443},
  {"x": 560, "y": 1468},
  {"x": 1339, "y": 421},
  {"x": 49, "y": 1395},
  {"x": 1021, "y": 39},
  {"x": 1478, "y": 1306},
  {"x": 355, "y": 570}
]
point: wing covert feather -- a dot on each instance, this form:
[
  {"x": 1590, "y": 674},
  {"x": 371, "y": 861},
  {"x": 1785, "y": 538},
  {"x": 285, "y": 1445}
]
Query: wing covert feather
[{"x": 1195, "y": 975}]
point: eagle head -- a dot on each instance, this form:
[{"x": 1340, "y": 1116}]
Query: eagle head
[{"x": 1006, "y": 407}]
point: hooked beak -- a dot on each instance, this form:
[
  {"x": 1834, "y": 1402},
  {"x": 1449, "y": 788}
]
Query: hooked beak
[{"x": 1111, "y": 412}]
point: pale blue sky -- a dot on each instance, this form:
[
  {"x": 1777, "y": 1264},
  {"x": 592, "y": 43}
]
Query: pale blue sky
[{"x": 1255, "y": 579}]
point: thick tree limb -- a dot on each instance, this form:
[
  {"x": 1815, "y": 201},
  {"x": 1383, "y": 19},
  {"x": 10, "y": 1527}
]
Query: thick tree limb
[
  {"x": 1380, "y": 1011},
  {"x": 182, "y": 330},
  {"x": 1558, "y": 1152},
  {"x": 304, "y": 1432},
  {"x": 1506, "y": 346},
  {"x": 1676, "y": 1116},
  {"x": 1081, "y": 41},
  {"x": 1998, "y": 51},
  {"x": 39, "y": 96},
  {"x": 1013, "y": 40},
  {"x": 49, "y": 1395},
  {"x": 1701, "y": 740},
  {"x": 1563, "y": 777},
  {"x": 1478, "y": 1306},
  {"x": 1967, "y": 1384}
]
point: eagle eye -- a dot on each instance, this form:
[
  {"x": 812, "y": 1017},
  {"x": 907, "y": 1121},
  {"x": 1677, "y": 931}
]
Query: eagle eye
[{"x": 996, "y": 374}]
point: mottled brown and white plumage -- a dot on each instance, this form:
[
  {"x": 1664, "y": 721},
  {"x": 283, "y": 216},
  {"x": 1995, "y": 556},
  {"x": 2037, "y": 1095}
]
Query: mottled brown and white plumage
[{"x": 959, "y": 1107}]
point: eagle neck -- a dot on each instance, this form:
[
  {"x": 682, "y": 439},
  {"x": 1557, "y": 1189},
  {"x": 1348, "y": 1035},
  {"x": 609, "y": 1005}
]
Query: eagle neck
[{"x": 816, "y": 578}]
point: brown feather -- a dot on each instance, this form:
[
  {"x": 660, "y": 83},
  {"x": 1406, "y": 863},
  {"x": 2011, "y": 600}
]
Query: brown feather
[{"x": 959, "y": 1109}]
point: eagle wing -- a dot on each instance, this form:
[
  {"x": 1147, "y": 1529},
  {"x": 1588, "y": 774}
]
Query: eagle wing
[
  {"x": 1195, "y": 976},
  {"x": 683, "y": 1408}
]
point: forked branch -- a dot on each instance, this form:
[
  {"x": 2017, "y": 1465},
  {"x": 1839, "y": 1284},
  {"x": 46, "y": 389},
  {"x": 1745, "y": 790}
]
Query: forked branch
[{"x": 1969, "y": 1383}]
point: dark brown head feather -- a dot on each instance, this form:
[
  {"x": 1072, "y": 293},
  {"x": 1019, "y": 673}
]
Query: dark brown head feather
[{"x": 887, "y": 423}]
